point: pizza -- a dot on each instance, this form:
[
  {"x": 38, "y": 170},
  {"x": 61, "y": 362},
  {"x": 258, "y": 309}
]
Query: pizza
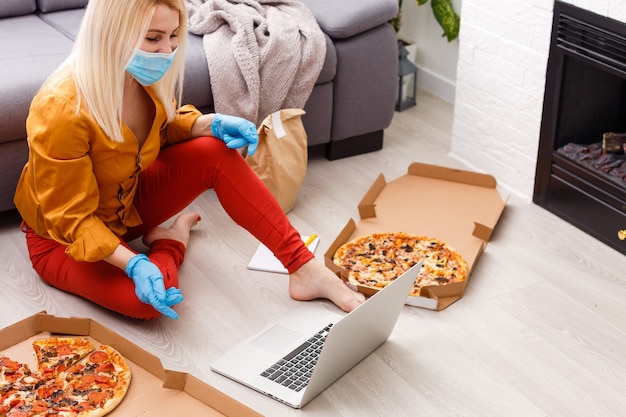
[
  {"x": 73, "y": 379},
  {"x": 374, "y": 260}
]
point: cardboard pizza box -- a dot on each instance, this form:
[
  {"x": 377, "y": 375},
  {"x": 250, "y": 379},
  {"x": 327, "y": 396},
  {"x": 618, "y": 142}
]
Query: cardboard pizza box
[
  {"x": 456, "y": 206},
  {"x": 153, "y": 391}
]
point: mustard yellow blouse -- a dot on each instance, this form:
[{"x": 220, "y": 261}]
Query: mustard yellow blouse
[{"x": 78, "y": 186}]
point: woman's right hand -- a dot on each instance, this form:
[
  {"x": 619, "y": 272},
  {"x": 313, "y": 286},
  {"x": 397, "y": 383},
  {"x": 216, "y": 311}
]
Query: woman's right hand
[{"x": 149, "y": 286}]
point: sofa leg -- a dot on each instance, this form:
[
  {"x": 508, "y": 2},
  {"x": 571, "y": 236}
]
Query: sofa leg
[{"x": 354, "y": 145}]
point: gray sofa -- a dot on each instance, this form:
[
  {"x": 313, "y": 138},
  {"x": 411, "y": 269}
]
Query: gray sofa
[{"x": 350, "y": 106}]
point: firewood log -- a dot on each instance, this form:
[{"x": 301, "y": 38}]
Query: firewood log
[{"x": 613, "y": 142}]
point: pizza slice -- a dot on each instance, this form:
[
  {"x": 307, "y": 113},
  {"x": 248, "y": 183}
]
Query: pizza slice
[
  {"x": 55, "y": 354},
  {"x": 97, "y": 383},
  {"x": 17, "y": 384},
  {"x": 13, "y": 373}
]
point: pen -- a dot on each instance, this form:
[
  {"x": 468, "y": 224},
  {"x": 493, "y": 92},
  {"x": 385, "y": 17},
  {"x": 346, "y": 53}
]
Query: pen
[{"x": 310, "y": 239}]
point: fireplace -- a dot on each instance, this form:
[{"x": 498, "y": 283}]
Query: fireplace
[{"x": 585, "y": 97}]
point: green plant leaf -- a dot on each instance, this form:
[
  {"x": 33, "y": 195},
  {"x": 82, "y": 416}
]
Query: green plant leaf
[
  {"x": 447, "y": 18},
  {"x": 444, "y": 13}
]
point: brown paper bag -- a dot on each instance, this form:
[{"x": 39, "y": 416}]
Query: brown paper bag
[{"x": 281, "y": 156}]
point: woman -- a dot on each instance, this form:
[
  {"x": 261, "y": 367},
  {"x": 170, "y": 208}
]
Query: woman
[{"x": 112, "y": 157}]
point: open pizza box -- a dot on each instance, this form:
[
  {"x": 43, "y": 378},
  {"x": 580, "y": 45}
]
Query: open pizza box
[
  {"x": 455, "y": 206},
  {"x": 154, "y": 391}
]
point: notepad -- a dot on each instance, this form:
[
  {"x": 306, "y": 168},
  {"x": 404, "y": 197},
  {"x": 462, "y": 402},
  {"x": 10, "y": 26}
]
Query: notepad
[{"x": 264, "y": 260}]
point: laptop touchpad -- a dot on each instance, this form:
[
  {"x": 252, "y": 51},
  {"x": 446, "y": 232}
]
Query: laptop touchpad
[{"x": 275, "y": 338}]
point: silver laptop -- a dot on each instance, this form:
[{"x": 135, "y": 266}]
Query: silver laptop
[{"x": 286, "y": 361}]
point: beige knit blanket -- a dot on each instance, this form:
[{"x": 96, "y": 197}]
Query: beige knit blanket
[{"x": 263, "y": 55}]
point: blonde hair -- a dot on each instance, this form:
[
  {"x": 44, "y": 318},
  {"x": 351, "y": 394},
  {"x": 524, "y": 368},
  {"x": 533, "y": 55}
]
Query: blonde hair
[{"x": 109, "y": 33}]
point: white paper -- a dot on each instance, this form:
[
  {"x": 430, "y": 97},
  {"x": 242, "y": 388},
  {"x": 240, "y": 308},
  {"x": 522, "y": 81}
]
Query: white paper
[{"x": 264, "y": 260}]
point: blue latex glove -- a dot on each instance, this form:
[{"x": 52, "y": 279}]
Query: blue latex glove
[
  {"x": 149, "y": 286},
  {"x": 235, "y": 131}
]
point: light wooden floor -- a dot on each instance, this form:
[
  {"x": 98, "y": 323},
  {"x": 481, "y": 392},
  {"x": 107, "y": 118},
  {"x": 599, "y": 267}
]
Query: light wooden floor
[{"x": 541, "y": 330}]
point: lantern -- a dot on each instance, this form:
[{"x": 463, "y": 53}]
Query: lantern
[{"x": 407, "y": 80}]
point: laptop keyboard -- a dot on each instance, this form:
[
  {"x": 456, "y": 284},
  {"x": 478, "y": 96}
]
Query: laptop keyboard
[{"x": 294, "y": 370}]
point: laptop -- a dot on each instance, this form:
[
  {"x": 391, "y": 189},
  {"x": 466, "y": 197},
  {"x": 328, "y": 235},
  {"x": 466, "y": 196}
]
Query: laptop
[{"x": 285, "y": 360}]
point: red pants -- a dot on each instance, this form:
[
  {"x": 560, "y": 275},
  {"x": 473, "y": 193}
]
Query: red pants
[{"x": 180, "y": 174}]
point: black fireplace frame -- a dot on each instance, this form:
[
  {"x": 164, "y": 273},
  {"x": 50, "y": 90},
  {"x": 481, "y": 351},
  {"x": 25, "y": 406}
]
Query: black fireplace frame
[{"x": 573, "y": 192}]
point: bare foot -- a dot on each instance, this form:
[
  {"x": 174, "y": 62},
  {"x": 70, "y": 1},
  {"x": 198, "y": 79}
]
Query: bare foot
[
  {"x": 178, "y": 231},
  {"x": 313, "y": 280}
]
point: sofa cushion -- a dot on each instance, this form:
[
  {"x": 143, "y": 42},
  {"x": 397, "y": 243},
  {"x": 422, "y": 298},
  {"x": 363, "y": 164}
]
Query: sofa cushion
[
  {"x": 345, "y": 18},
  {"x": 47, "y": 6},
  {"x": 10, "y": 8},
  {"x": 65, "y": 21},
  {"x": 36, "y": 51}
]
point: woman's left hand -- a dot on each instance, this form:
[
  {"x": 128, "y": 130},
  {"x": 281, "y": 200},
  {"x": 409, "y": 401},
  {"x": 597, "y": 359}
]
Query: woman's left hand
[{"x": 235, "y": 131}]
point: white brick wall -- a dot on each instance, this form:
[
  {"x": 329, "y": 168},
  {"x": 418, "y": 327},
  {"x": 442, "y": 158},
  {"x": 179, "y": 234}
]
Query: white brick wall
[{"x": 503, "y": 53}]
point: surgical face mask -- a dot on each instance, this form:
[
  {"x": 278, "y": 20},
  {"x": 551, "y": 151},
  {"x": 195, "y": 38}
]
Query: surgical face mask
[{"x": 149, "y": 67}]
